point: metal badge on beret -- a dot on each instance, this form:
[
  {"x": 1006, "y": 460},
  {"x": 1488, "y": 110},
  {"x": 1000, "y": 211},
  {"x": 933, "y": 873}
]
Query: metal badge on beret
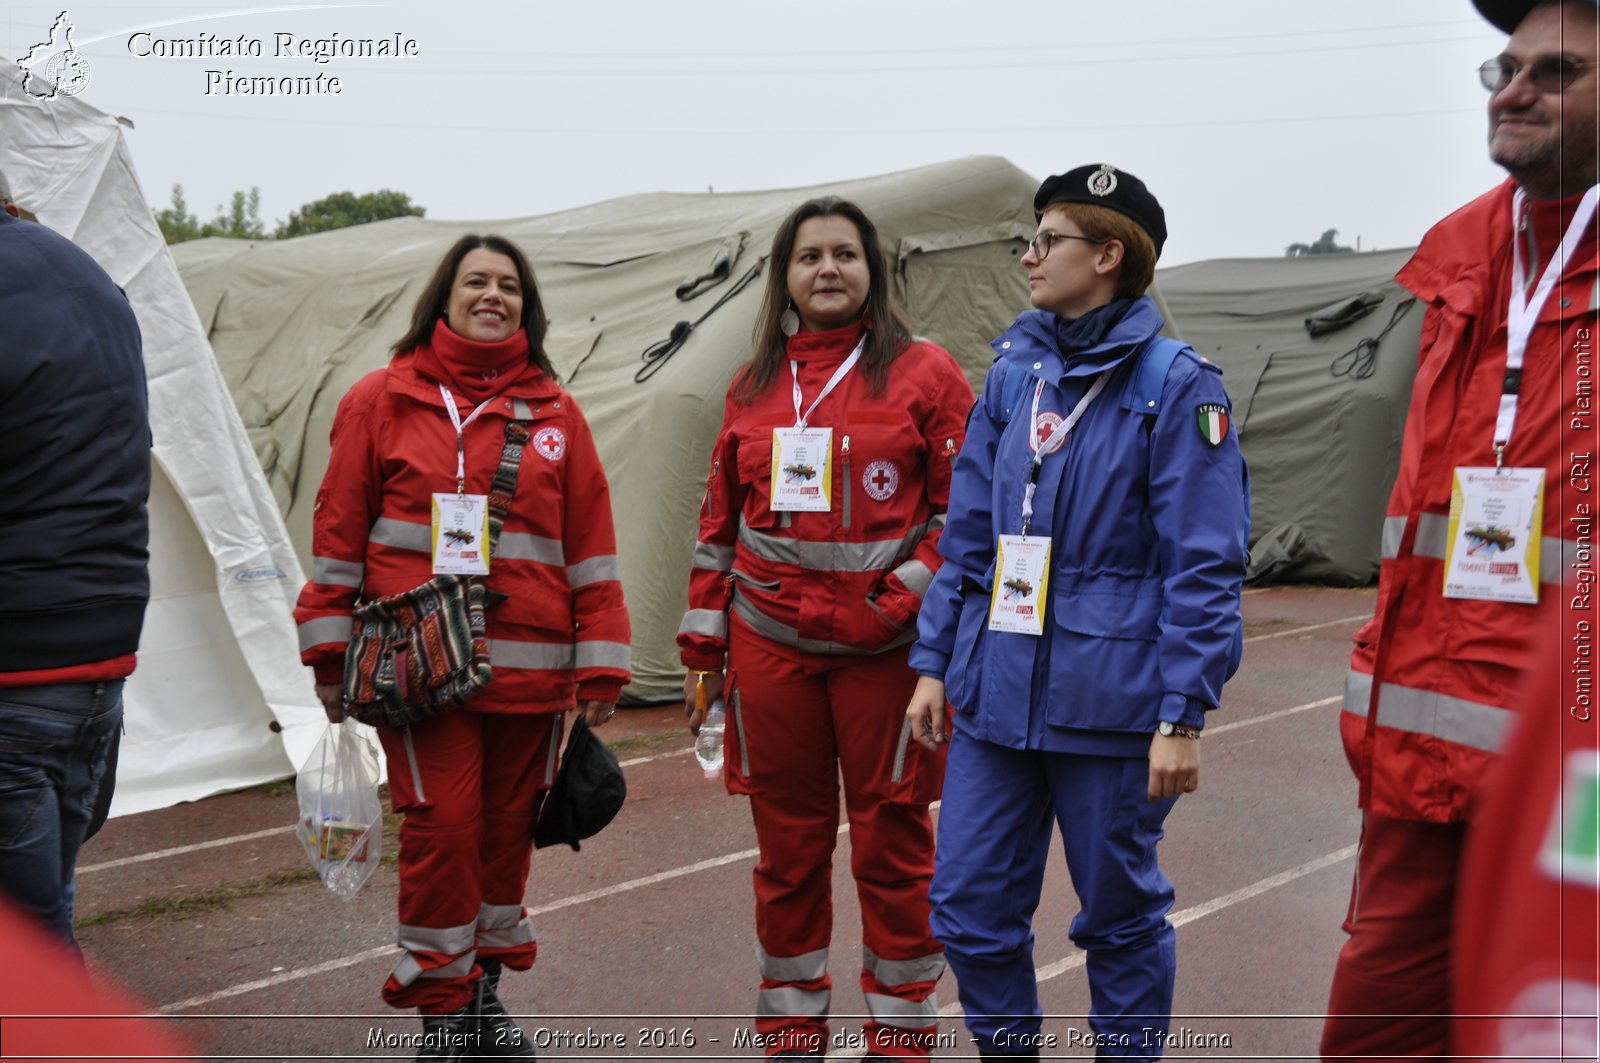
[{"x": 1103, "y": 181}]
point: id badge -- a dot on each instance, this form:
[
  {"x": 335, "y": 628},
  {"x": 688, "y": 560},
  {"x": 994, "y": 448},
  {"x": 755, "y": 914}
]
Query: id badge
[
  {"x": 1021, "y": 570},
  {"x": 461, "y": 534},
  {"x": 1496, "y": 521},
  {"x": 802, "y": 470}
]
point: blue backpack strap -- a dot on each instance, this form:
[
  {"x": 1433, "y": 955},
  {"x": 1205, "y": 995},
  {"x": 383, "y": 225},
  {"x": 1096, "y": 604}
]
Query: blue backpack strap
[{"x": 1149, "y": 377}]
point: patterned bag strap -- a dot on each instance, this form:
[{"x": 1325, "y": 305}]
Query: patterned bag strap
[{"x": 504, "y": 484}]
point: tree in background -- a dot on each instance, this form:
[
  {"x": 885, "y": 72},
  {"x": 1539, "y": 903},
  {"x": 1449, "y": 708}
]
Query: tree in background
[
  {"x": 346, "y": 208},
  {"x": 242, "y": 219},
  {"x": 1327, "y": 244}
]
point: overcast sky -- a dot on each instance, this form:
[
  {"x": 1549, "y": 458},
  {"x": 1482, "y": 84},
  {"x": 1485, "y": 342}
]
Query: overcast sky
[{"x": 1257, "y": 123}]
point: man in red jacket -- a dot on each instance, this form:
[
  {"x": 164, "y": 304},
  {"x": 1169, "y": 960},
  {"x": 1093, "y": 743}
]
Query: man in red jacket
[{"x": 1480, "y": 527}]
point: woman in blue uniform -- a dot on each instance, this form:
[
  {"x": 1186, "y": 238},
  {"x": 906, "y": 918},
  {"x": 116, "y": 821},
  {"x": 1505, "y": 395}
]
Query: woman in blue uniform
[{"x": 1082, "y": 625}]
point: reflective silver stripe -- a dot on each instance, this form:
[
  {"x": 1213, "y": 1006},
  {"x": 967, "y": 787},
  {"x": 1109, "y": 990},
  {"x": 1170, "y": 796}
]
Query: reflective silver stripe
[
  {"x": 416, "y": 771},
  {"x": 903, "y": 972},
  {"x": 1433, "y": 539},
  {"x": 938, "y": 521},
  {"x": 558, "y": 727},
  {"x": 520, "y": 410},
  {"x": 454, "y": 941},
  {"x": 401, "y": 534},
  {"x": 337, "y": 573},
  {"x": 807, "y": 967},
  {"x": 712, "y": 623},
  {"x": 776, "y": 1003},
  {"x": 520, "y": 546},
  {"x": 738, "y": 721},
  {"x": 408, "y": 970},
  {"x": 548, "y": 655},
  {"x": 899, "y": 771},
  {"x": 916, "y": 576},
  {"x": 903, "y": 1014},
  {"x": 713, "y": 557},
  {"x": 831, "y": 556},
  {"x": 1466, "y": 723},
  {"x": 503, "y": 926},
  {"x": 769, "y": 628},
  {"x": 618, "y": 655},
  {"x": 325, "y": 629},
  {"x": 596, "y": 569}
]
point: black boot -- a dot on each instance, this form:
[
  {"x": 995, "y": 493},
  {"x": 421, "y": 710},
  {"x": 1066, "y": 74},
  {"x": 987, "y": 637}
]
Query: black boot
[
  {"x": 500, "y": 1036},
  {"x": 450, "y": 1038}
]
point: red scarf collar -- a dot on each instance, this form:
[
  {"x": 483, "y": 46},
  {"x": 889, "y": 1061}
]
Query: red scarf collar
[
  {"x": 827, "y": 347},
  {"x": 475, "y": 371}
]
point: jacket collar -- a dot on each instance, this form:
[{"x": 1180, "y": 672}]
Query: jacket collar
[
  {"x": 1031, "y": 343},
  {"x": 403, "y": 379}
]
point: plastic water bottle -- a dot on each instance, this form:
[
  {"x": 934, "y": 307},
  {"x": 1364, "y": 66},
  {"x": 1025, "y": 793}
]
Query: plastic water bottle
[{"x": 708, "y": 744}]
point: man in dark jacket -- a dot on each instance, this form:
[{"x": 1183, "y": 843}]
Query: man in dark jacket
[{"x": 74, "y": 563}]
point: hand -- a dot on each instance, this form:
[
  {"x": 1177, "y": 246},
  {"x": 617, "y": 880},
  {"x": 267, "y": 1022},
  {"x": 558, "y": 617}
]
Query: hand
[
  {"x": 596, "y": 713},
  {"x": 714, "y": 689},
  {"x": 332, "y": 697},
  {"x": 926, "y": 713},
  {"x": 1174, "y": 766}
]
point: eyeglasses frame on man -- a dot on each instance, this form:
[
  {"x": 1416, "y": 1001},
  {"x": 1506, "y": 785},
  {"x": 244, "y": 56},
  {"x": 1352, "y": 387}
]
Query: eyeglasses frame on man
[{"x": 1548, "y": 73}]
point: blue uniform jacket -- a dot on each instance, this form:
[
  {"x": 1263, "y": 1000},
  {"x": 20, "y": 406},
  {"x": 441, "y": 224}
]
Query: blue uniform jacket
[{"x": 1149, "y": 523}]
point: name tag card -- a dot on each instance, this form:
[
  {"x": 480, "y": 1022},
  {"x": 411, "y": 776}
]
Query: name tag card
[
  {"x": 802, "y": 470},
  {"x": 1021, "y": 569},
  {"x": 1496, "y": 518},
  {"x": 461, "y": 535}
]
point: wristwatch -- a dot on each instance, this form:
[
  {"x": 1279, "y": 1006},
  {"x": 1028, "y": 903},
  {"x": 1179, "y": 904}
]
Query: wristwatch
[{"x": 1166, "y": 728}]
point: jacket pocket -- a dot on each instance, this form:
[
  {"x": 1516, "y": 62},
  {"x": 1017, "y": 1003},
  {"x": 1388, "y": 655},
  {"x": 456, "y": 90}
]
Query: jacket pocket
[
  {"x": 755, "y": 473},
  {"x": 1104, "y": 672},
  {"x": 963, "y": 679},
  {"x": 1109, "y": 606}
]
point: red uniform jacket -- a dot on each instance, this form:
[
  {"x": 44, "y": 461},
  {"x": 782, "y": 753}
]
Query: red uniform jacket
[
  {"x": 1447, "y": 669},
  {"x": 848, "y": 581},
  {"x": 562, "y": 631}
]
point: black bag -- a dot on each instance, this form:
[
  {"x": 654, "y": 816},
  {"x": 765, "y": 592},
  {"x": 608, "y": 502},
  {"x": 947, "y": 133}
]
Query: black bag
[{"x": 588, "y": 791}]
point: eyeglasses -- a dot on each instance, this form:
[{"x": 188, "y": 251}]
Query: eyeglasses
[
  {"x": 1041, "y": 242},
  {"x": 1548, "y": 73}
]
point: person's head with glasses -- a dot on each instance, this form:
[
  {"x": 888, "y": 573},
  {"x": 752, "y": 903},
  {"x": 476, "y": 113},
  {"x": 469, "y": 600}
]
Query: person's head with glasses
[
  {"x": 1100, "y": 232},
  {"x": 1544, "y": 102}
]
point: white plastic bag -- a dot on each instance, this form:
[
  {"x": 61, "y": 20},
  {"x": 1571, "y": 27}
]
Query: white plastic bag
[{"x": 341, "y": 818}]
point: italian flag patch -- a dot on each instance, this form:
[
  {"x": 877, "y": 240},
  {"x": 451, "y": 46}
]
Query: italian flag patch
[{"x": 1213, "y": 418}]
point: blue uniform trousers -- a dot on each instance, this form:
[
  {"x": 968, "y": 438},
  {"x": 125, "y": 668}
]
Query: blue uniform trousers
[{"x": 994, "y": 838}]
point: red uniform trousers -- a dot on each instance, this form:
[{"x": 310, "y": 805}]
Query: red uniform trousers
[
  {"x": 1391, "y": 988},
  {"x": 465, "y": 845},
  {"x": 797, "y": 723}
]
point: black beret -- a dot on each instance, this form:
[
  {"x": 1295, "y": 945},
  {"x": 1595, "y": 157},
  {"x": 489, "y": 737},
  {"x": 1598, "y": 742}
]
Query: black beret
[
  {"x": 1506, "y": 15},
  {"x": 1106, "y": 186}
]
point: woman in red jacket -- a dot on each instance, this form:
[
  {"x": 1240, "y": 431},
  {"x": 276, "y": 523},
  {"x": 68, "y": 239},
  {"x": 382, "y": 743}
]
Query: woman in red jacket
[
  {"x": 818, "y": 534},
  {"x": 433, "y": 423}
]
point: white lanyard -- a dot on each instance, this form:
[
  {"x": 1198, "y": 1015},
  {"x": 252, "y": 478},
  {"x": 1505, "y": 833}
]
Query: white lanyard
[
  {"x": 1041, "y": 448},
  {"x": 1524, "y": 310},
  {"x": 461, "y": 443},
  {"x": 839, "y": 374}
]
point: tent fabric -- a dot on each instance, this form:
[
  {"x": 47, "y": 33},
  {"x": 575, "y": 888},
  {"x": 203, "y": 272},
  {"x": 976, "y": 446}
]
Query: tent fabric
[
  {"x": 1294, "y": 337},
  {"x": 219, "y": 700},
  {"x": 295, "y": 323}
]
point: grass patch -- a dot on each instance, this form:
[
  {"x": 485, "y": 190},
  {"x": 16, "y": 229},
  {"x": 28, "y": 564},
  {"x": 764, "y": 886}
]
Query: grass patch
[
  {"x": 650, "y": 743},
  {"x": 203, "y": 901}
]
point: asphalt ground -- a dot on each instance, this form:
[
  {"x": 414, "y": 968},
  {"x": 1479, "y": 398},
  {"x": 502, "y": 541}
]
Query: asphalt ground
[{"x": 208, "y": 912}]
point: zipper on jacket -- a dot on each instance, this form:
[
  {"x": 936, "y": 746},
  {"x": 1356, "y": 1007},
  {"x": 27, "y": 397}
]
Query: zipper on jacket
[
  {"x": 711, "y": 488},
  {"x": 844, "y": 452}
]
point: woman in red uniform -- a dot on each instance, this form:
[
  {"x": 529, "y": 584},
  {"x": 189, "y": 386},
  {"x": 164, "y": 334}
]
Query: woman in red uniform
[
  {"x": 469, "y": 783},
  {"x": 818, "y": 535}
]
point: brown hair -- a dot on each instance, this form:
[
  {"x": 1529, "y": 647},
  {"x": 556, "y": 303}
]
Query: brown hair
[
  {"x": 1138, "y": 250},
  {"x": 436, "y": 295},
  {"x": 888, "y": 331}
]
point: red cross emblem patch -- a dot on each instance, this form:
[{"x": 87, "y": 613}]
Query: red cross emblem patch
[
  {"x": 880, "y": 480},
  {"x": 550, "y": 443}
]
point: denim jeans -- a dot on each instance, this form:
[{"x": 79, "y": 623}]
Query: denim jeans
[{"x": 53, "y": 745}]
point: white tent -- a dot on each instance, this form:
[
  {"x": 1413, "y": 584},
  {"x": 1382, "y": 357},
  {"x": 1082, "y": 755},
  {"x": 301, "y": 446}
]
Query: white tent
[{"x": 219, "y": 700}]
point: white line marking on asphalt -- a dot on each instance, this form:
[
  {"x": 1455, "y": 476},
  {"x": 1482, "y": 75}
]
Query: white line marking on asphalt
[
  {"x": 180, "y": 850},
  {"x": 1264, "y": 717},
  {"x": 1310, "y": 627}
]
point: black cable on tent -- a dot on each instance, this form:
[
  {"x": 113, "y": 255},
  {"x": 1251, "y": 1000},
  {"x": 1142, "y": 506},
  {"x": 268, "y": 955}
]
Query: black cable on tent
[
  {"x": 656, "y": 355},
  {"x": 1361, "y": 361}
]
